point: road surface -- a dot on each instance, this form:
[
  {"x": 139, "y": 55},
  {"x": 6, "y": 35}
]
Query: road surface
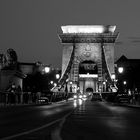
[
  {"x": 95, "y": 120},
  {"x": 18, "y": 121},
  {"x": 72, "y": 120}
]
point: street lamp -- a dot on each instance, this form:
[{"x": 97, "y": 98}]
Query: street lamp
[
  {"x": 124, "y": 82},
  {"x": 55, "y": 84},
  {"x": 120, "y": 69},
  {"x": 47, "y": 69},
  {"x": 113, "y": 76},
  {"x": 70, "y": 82},
  {"x": 57, "y": 76}
]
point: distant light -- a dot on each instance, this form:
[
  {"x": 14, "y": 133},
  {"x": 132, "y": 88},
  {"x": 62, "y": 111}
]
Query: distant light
[
  {"x": 87, "y": 28},
  {"x": 47, "y": 69},
  {"x": 84, "y": 96},
  {"x": 80, "y": 101},
  {"x": 103, "y": 83},
  {"x": 70, "y": 83},
  {"x": 88, "y": 75},
  {"x": 124, "y": 82},
  {"x": 75, "y": 103},
  {"x": 51, "y": 82},
  {"x": 113, "y": 76},
  {"x": 75, "y": 96},
  {"x": 120, "y": 69},
  {"x": 55, "y": 84},
  {"x": 67, "y": 80},
  {"x": 57, "y": 76},
  {"x": 80, "y": 96}
]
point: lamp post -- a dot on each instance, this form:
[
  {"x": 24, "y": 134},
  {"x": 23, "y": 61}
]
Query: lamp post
[
  {"x": 70, "y": 86},
  {"x": 46, "y": 69},
  {"x": 121, "y": 83},
  {"x": 125, "y": 86},
  {"x": 124, "y": 82}
]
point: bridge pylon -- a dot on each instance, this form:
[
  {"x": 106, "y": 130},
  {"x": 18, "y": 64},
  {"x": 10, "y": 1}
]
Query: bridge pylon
[{"x": 88, "y": 47}]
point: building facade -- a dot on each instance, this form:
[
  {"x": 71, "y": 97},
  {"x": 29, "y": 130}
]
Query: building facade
[{"x": 128, "y": 74}]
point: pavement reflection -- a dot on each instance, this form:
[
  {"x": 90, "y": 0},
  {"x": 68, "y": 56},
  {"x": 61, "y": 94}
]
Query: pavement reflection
[
  {"x": 77, "y": 102},
  {"x": 101, "y": 120}
]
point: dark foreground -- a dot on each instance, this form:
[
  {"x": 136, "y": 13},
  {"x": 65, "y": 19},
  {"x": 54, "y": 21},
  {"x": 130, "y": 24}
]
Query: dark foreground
[
  {"x": 102, "y": 121},
  {"x": 73, "y": 120}
]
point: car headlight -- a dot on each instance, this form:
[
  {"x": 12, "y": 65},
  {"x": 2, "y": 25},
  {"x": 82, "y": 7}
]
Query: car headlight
[
  {"x": 84, "y": 96},
  {"x": 80, "y": 96},
  {"x": 75, "y": 96}
]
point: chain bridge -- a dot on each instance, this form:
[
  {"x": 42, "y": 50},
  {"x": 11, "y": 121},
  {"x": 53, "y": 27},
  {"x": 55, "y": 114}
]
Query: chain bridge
[{"x": 87, "y": 59}]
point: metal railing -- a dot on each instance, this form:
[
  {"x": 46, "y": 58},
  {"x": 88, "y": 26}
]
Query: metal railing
[{"x": 11, "y": 98}]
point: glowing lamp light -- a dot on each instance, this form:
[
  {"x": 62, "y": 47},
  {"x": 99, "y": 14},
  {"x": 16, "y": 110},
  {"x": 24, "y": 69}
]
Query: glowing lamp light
[
  {"x": 88, "y": 75},
  {"x": 124, "y": 82},
  {"x": 47, "y": 69},
  {"x": 87, "y": 29},
  {"x": 51, "y": 82},
  {"x": 120, "y": 69},
  {"x": 57, "y": 76},
  {"x": 70, "y": 83},
  {"x": 113, "y": 76},
  {"x": 55, "y": 84}
]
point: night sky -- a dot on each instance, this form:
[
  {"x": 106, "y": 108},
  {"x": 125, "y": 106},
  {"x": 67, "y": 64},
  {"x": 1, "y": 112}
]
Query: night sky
[{"x": 31, "y": 27}]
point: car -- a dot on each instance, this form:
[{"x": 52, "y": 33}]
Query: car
[
  {"x": 43, "y": 100},
  {"x": 96, "y": 97},
  {"x": 123, "y": 98},
  {"x": 77, "y": 96}
]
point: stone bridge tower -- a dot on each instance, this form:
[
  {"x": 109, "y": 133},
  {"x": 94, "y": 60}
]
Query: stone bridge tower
[{"x": 88, "y": 44}]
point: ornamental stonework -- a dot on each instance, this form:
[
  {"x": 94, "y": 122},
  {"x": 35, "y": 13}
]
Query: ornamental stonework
[{"x": 92, "y": 38}]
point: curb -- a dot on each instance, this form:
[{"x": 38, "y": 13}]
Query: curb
[{"x": 128, "y": 105}]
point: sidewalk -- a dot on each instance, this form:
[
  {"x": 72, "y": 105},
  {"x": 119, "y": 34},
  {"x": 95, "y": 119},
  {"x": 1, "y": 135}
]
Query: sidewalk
[
  {"x": 32, "y": 104},
  {"x": 131, "y": 105},
  {"x": 18, "y": 105},
  {"x": 128, "y": 105}
]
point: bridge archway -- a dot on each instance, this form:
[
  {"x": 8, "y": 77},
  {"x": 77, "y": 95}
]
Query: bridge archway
[
  {"x": 88, "y": 76},
  {"x": 88, "y": 66},
  {"x": 89, "y": 89}
]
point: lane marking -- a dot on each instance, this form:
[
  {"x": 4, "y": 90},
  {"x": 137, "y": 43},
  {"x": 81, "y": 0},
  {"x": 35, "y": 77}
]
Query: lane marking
[
  {"x": 36, "y": 129},
  {"x": 55, "y": 134},
  {"x": 31, "y": 131}
]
